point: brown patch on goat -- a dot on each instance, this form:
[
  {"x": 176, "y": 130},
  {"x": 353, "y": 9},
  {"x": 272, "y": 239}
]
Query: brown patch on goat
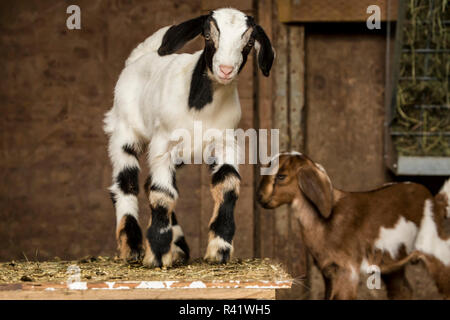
[
  {"x": 122, "y": 246},
  {"x": 231, "y": 183},
  {"x": 129, "y": 239},
  {"x": 162, "y": 201},
  {"x": 225, "y": 193},
  {"x": 440, "y": 214}
]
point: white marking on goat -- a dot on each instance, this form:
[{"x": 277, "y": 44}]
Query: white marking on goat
[
  {"x": 177, "y": 232},
  {"x": 364, "y": 266},
  {"x": 390, "y": 239},
  {"x": 428, "y": 240},
  {"x": 446, "y": 190},
  {"x": 389, "y": 184},
  {"x": 321, "y": 168},
  {"x": 165, "y": 229},
  {"x": 354, "y": 275},
  {"x": 219, "y": 243}
]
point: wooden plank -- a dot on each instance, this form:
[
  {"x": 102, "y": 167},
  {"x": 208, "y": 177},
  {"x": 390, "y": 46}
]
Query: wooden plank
[
  {"x": 243, "y": 5},
  {"x": 296, "y": 132},
  {"x": 298, "y": 266},
  {"x": 281, "y": 122},
  {"x": 144, "y": 290},
  {"x": 345, "y": 96},
  {"x": 156, "y": 294},
  {"x": 333, "y": 10},
  {"x": 296, "y": 86},
  {"x": 263, "y": 218},
  {"x": 280, "y": 114}
]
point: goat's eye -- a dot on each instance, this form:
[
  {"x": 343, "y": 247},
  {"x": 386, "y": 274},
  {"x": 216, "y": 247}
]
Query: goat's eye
[
  {"x": 207, "y": 36},
  {"x": 251, "y": 42},
  {"x": 280, "y": 177}
]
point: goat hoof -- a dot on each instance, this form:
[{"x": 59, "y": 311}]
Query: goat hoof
[
  {"x": 180, "y": 258},
  {"x": 135, "y": 256},
  {"x": 129, "y": 255},
  {"x": 221, "y": 256},
  {"x": 218, "y": 251},
  {"x": 151, "y": 261}
]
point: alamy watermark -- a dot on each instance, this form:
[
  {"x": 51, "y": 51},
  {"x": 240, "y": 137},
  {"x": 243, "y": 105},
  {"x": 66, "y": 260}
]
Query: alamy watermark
[
  {"x": 374, "y": 278},
  {"x": 374, "y": 20},
  {"x": 74, "y": 20},
  {"x": 214, "y": 146}
]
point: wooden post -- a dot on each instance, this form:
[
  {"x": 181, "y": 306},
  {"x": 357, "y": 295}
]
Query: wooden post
[
  {"x": 263, "y": 218},
  {"x": 281, "y": 122},
  {"x": 297, "y": 251},
  {"x": 288, "y": 95},
  {"x": 279, "y": 105}
]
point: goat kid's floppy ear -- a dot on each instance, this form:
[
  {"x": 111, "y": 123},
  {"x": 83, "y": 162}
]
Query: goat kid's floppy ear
[
  {"x": 316, "y": 186},
  {"x": 264, "y": 50},
  {"x": 177, "y": 35}
]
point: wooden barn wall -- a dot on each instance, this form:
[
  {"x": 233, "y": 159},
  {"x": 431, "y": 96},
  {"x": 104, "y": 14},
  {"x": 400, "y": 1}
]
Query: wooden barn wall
[
  {"x": 345, "y": 103},
  {"x": 54, "y": 168}
]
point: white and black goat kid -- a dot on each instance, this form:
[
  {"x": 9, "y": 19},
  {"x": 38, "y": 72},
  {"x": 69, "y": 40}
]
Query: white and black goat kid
[{"x": 158, "y": 92}]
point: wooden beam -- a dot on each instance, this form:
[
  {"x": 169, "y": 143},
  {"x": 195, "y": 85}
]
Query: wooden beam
[
  {"x": 264, "y": 218},
  {"x": 333, "y": 10},
  {"x": 296, "y": 86},
  {"x": 243, "y": 5},
  {"x": 281, "y": 122},
  {"x": 298, "y": 265},
  {"x": 281, "y": 98},
  {"x": 144, "y": 290}
]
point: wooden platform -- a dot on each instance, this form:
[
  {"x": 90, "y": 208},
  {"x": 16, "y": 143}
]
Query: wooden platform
[
  {"x": 109, "y": 279},
  {"x": 144, "y": 290}
]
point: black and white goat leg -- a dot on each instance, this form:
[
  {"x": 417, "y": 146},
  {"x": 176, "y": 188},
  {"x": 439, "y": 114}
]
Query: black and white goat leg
[
  {"x": 163, "y": 233},
  {"x": 124, "y": 151},
  {"x": 225, "y": 191},
  {"x": 180, "y": 248}
]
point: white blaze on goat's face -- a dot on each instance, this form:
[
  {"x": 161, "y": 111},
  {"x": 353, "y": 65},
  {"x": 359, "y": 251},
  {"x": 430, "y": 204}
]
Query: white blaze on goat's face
[{"x": 230, "y": 34}]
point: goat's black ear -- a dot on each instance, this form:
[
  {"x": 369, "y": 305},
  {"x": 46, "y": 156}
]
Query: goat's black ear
[
  {"x": 316, "y": 186},
  {"x": 264, "y": 50},
  {"x": 177, "y": 35}
]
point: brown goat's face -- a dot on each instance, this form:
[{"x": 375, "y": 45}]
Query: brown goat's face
[
  {"x": 282, "y": 186},
  {"x": 297, "y": 177}
]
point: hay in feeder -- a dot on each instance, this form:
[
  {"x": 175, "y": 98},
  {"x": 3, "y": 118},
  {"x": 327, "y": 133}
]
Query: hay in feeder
[
  {"x": 96, "y": 269},
  {"x": 422, "y": 115}
]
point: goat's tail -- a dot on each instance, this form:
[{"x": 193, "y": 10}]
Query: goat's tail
[
  {"x": 444, "y": 196},
  {"x": 151, "y": 44},
  {"x": 413, "y": 257}
]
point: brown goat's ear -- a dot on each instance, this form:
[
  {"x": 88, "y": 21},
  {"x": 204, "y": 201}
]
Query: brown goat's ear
[{"x": 316, "y": 186}]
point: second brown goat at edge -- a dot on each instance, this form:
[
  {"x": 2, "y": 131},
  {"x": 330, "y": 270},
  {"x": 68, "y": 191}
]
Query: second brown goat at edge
[{"x": 346, "y": 232}]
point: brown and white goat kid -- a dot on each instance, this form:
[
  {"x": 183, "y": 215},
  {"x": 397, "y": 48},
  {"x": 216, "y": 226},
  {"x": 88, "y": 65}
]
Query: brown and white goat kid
[{"x": 346, "y": 232}]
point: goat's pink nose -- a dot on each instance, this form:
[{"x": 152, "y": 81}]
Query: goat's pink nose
[{"x": 226, "y": 69}]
